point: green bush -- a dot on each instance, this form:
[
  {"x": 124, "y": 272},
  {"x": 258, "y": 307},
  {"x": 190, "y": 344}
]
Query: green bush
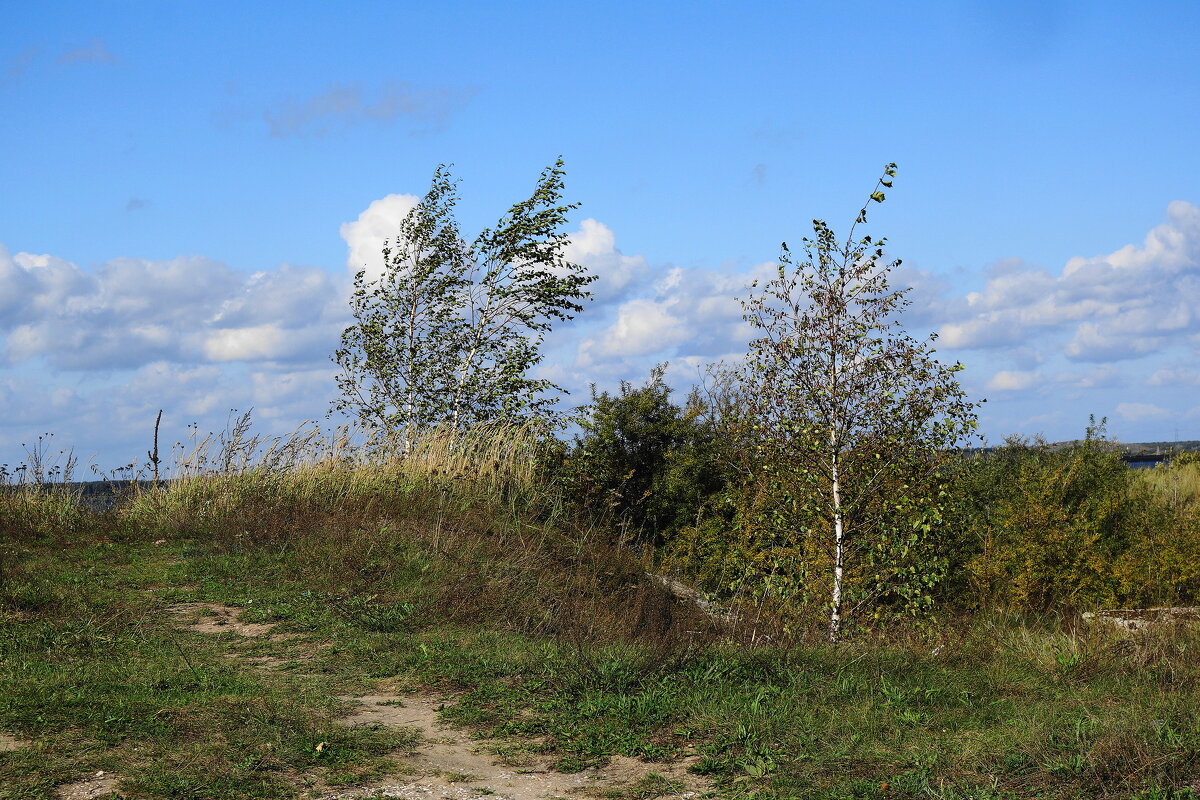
[
  {"x": 1041, "y": 527},
  {"x": 646, "y": 461}
]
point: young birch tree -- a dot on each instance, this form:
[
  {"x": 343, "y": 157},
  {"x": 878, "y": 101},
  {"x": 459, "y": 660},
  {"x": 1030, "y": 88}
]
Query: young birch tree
[
  {"x": 851, "y": 414},
  {"x": 451, "y": 330}
]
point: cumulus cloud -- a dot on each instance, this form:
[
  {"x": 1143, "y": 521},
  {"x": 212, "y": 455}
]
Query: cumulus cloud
[
  {"x": 343, "y": 105},
  {"x": 1102, "y": 376},
  {"x": 594, "y": 246},
  {"x": 256, "y": 343},
  {"x": 376, "y": 224},
  {"x": 1127, "y": 304},
  {"x": 693, "y": 316},
  {"x": 1175, "y": 376},
  {"x": 1109, "y": 315},
  {"x": 642, "y": 326},
  {"x": 130, "y": 312},
  {"x": 34, "y": 402},
  {"x": 197, "y": 337}
]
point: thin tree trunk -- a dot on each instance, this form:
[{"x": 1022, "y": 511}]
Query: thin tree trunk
[
  {"x": 409, "y": 381},
  {"x": 839, "y": 557}
]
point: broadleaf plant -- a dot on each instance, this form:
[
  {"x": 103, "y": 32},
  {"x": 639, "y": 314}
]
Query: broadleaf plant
[
  {"x": 851, "y": 417},
  {"x": 450, "y": 331}
]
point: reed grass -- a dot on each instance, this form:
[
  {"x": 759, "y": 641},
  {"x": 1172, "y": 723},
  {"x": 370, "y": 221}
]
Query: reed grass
[{"x": 316, "y": 469}]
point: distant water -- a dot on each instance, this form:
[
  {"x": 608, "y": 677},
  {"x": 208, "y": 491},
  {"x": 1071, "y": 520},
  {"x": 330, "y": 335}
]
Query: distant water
[{"x": 1147, "y": 464}]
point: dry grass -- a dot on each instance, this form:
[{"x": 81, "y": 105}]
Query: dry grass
[
  {"x": 475, "y": 500},
  {"x": 1179, "y": 485}
]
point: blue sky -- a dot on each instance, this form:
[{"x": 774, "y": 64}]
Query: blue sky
[{"x": 182, "y": 185}]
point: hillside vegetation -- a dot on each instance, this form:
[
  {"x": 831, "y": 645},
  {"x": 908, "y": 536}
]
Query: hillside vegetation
[{"x": 508, "y": 573}]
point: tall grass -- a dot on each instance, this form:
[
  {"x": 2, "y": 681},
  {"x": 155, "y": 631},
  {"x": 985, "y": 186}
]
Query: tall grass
[
  {"x": 238, "y": 485},
  {"x": 1177, "y": 484},
  {"x": 477, "y": 502},
  {"x": 314, "y": 469}
]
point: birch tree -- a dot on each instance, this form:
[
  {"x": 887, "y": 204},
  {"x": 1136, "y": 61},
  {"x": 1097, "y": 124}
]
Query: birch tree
[
  {"x": 450, "y": 332},
  {"x": 850, "y": 413}
]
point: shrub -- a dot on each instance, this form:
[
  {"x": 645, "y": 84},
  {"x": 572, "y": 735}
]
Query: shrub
[
  {"x": 644, "y": 460},
  {"x": 1042, "y": 527}
]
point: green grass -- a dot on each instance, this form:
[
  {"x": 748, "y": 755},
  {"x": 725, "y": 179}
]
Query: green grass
[
  {"x": 97, "y": 678},
  {"x": 545, "y": 638}
]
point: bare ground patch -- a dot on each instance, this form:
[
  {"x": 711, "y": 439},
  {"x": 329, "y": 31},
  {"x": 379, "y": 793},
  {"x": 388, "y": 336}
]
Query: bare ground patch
[
  {"x": 102, "y": 784},
  {"x": 448, "y": 763},
  {"x": 10, "y": 743},
  {"x": 1136, "y": 620},
  {"x": 217, "y": 618}
]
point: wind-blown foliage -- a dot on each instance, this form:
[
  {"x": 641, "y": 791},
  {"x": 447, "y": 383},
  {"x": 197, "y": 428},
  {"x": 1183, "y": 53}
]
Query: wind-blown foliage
[{"x": 451, "y": 330}]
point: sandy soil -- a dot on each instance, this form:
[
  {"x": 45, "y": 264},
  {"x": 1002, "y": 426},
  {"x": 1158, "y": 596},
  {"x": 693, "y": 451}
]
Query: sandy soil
[
  {"x": 449, "y": 764},
  {"x": 1136, "y": 620},
  {"x": 102, "y": 784},
  {"x": 217, "y": 618}
]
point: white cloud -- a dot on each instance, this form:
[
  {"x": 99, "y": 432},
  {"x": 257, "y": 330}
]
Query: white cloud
[
  {"x": 1137, "y": 412},
  {"x": 1100, "y": 377},
  {"x": 1130, "y": 303},
  {"x": 1013, "y": 381},
  {"x": 1095, "y": 342},
  {"x": 196, "y": 337},
  {"x": 693, "y": 314},
  {"x": 980, "y": 333},
  {"x": 193, "y": 391},
  {"x": 289, "y": 295},
  {"x": 1175, "y": 376},
  {"x": 375, "y": 225},
  {"x": 33, "y": 402},
  {"x": 259, "y": 343},
  {"x": 289, "y": 394},
  {"x": 130, "y": 312},
  {"x": 594, "y": 246},
  {"x": 642, "y": 326}
]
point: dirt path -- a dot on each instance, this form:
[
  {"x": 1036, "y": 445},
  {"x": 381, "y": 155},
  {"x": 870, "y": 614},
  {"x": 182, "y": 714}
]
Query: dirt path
[{"x": 448, "y": 764}]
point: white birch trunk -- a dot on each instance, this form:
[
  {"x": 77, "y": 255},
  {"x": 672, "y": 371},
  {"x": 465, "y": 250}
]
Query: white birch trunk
[{"x": 839, "y": 557}]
